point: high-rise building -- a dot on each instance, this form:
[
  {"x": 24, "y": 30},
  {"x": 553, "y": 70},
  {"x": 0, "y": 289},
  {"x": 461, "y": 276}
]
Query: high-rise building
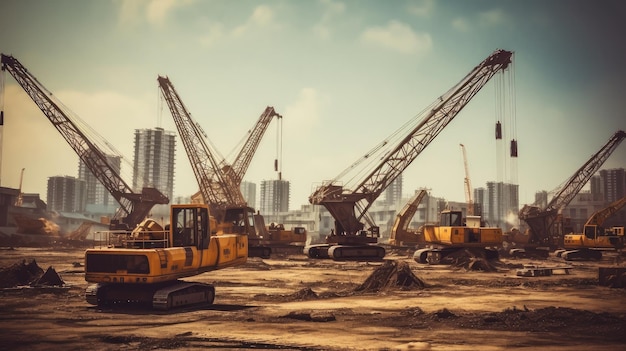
[
  {"x": 248, "y": 189},
  {"x": 502, "y": 205},
  {"x": 66, "y": 194},
  {"x": 613, "y": 184},
  {"x": 97, "y": 196},
  {"x": 393, "y": 193},
  {"x": 153, "y": 164},
  {"x": 274, "y": 198}
]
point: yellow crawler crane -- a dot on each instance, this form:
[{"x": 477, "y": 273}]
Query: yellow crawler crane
[
  {"x": 456, "y": 235},
  {"x": 144, "y": 267}
]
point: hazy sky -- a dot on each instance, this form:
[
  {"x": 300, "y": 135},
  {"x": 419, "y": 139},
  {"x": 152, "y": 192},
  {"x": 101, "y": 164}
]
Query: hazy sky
[{"x": 344, "y": 75}]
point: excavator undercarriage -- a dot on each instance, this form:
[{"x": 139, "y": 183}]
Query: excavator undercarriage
[{"x": 174, "y": 294}]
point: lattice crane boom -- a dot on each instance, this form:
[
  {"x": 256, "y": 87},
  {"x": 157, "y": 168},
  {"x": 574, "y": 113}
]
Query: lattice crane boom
[
  {"x": 217, "y": 189},
  {"x": 134, "y": 207},
  {"x": 343, "y": 203},
  {"x": 541, "y": 221},
  {"x": 240, "y": 165}
]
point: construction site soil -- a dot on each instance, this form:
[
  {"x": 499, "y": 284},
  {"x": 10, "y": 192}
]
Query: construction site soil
[{"x": 295, "y": 303}]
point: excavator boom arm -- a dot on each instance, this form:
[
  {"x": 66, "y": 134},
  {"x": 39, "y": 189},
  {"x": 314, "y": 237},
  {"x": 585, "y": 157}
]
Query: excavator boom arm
[{"x": 598, "y": 217}]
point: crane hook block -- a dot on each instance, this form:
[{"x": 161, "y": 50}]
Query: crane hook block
[
  {"x": 513, "y": 148},
  {"x": 498, "y": 130}
]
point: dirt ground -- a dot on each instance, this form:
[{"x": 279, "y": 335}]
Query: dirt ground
[{"x": 295, "y": 303}]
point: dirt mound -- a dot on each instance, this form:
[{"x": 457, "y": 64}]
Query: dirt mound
[
  {"x": 392, "y": 275},
  {"x": 22, "y": 273},
  {"x": 304, "y": 294},
  {"x": 473, "y": 260},
  {"x": 308, "y": 316}
]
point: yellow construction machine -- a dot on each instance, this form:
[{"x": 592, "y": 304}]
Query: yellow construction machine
[
  {"x": 595, "y": 238},
  {"x": 144, "y": 267},
  {"x": 457, "y": 235}
]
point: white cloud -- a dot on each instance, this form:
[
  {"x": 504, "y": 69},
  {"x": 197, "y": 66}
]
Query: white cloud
[
  {"x": 398, "y": 36},
  {"x": 304, "y": 113},
  {"x": 154, "y": 11},
  {"x": 422, "y": 8},
  {"x": 492, "y": 17},
  {"x": 461, "y": 24},
  {"x": 322, "y": 29},
  {"x": 214, "y": 33},
  {"x": 262, "y": 17}
]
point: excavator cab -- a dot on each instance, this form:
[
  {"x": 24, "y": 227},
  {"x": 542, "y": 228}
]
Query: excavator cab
[
  {"x": 190, "y": 226},
  {"x": 451, "y": 218}
]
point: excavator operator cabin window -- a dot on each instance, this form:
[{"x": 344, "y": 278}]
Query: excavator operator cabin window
[{"x": 184, "y": 227}]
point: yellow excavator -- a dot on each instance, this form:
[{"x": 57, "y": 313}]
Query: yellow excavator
[
  {"x": 595, "y": 238},
  {"x": 145, "y": 266}
]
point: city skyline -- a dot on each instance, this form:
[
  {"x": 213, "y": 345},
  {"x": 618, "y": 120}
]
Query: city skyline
[{"x": 343, "y": 74}]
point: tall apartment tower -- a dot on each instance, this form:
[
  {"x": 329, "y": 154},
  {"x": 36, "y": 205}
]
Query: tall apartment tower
[
  {"x": 66, "y": 194},
  {"x": 96, "y": 193},
  {"x": 502, "y": 205},
  {"x": 153, "y": 164},
  {"x": 393, "y": 194},
  {"x": 274, "y": 197},
  {"x": 248, "y": 189},
  {"x": 613, "y": 184}
]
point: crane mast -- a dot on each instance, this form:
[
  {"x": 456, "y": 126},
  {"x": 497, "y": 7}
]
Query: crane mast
[
  {"x": 134, "y": 207},
  {"x": 217, "y": 189},
  {"x": 541, "y": 222},
  {"x": 468, "y": 184},
  {"x": 349, "y": 206}
]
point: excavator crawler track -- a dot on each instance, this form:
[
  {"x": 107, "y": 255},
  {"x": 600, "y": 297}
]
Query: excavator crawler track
[
  {"x": 162, "y": 297},
  {"x": 356, "y": 252}
]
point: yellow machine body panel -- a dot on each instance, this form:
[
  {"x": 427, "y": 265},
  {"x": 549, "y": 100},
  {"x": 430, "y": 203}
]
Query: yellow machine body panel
[
  {"x": 149, "y": 255},
  {"x": 462, "y": 236},
  {"x": 451, "y": 232},
  {"x": 278, "y": 234},
  {"x": 594, "y": 237}
]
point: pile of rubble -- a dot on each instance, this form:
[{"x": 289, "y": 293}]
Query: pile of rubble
[
  {"x": 392, "y": 275},
  {"x": 28, "y": 274}
]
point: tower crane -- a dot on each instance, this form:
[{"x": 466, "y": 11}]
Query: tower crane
[
  {"x": 134, "y": 207},
  {"x": 543, "y": 233},
  {"x": 219, "y": 185},
  {"x": 595, "y": 238},
  {"x": 348, "y": 205},
  {"x": 468, "y": 185}
]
